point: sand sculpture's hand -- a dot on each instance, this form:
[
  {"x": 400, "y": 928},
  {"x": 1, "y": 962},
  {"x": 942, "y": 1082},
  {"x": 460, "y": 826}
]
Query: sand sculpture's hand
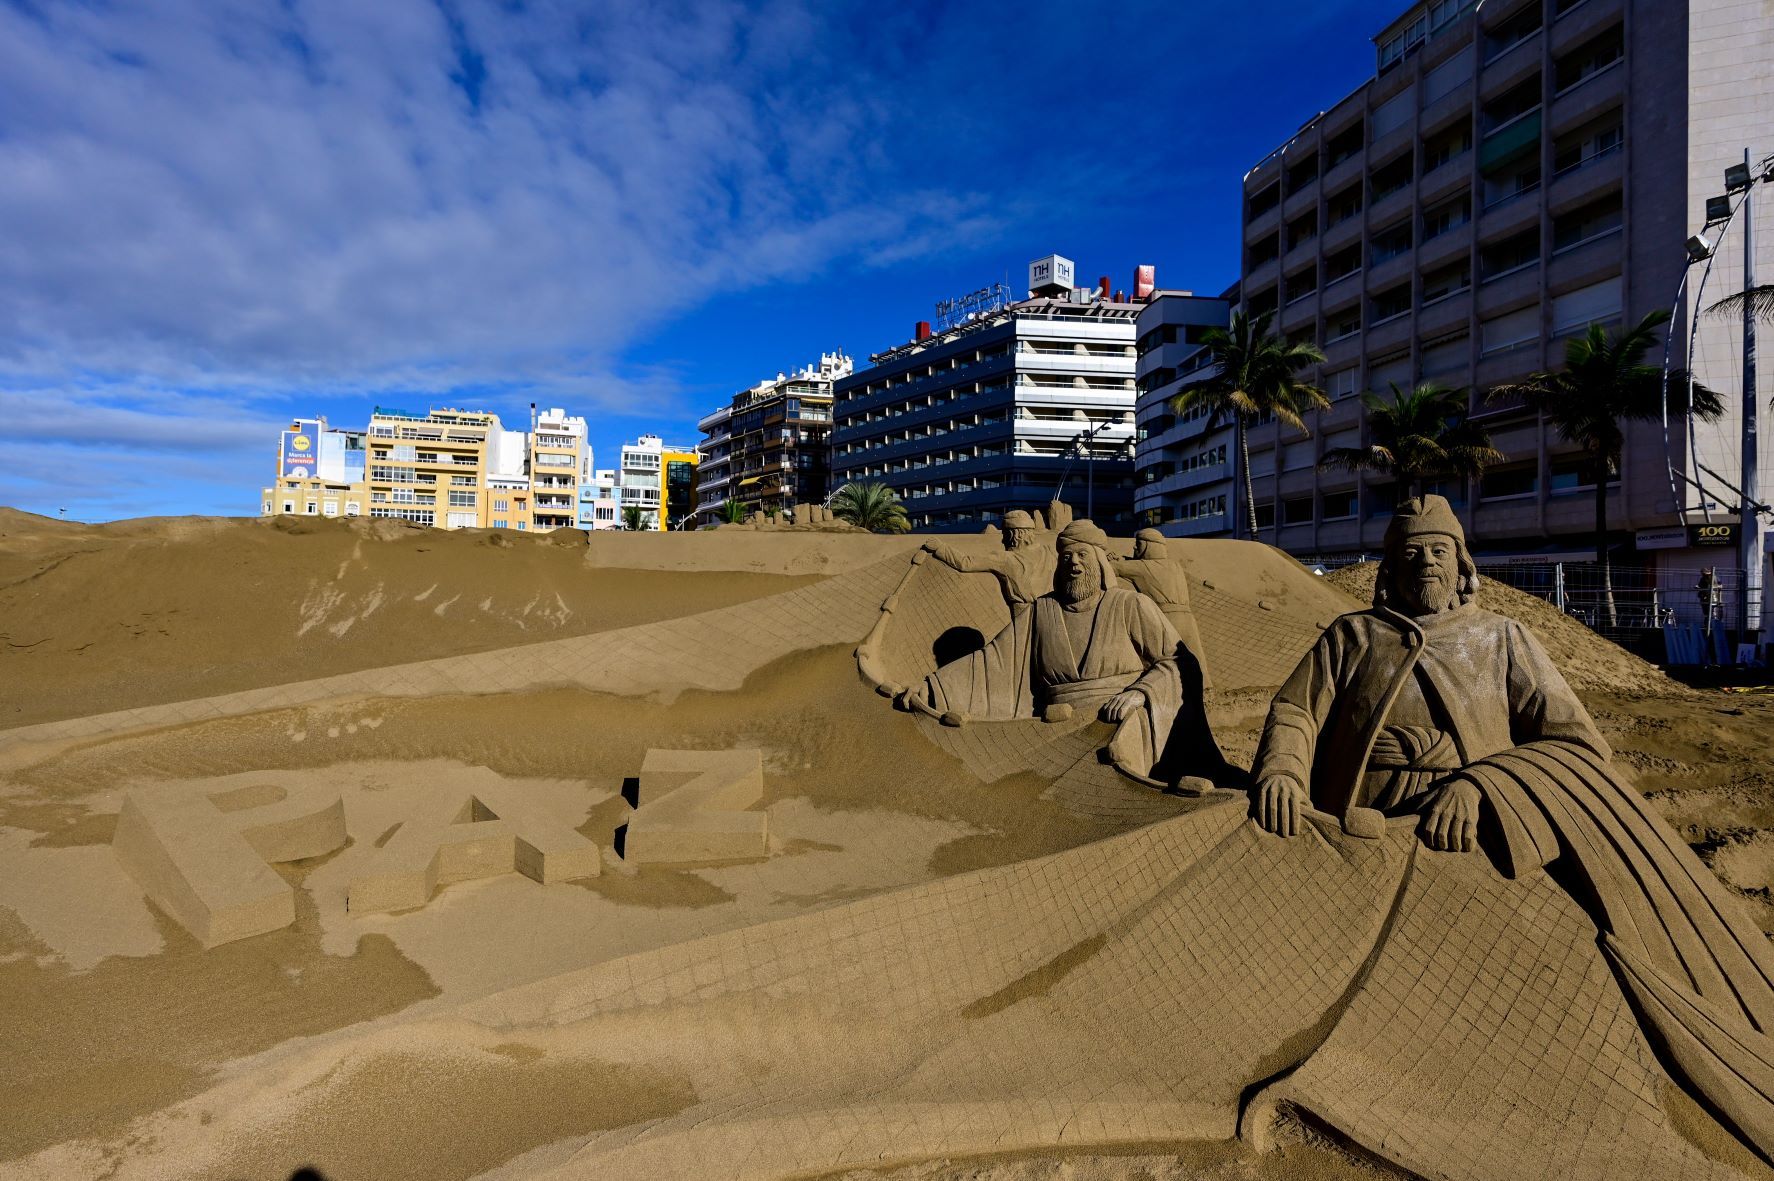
[
  {"x": 1121, "y": 705},
  {"x": 1279, "y": 802},
  {"x": 1451, "y": 824}
]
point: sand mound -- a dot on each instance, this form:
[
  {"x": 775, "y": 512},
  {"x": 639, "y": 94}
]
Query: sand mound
[{"x": 1589, "y": 662}]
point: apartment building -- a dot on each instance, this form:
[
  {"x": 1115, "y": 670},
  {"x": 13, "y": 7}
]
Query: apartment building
[
  {"x": 600, "y": 500},
  {"x": 559, "y": 459},
  {"x": 433, "y": 468},
  {"x": 1514, "y": 171},
  {"x": 1005, "y": 408},
  {"x": 1183, "y": 473},
  {"x": 769, "y": 447},
  {"x": 660, "y": 480},
  {"x": 320, "y": 472}
]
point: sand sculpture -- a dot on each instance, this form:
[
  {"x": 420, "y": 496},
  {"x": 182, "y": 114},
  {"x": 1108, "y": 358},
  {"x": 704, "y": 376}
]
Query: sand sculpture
[
  {"x": 1088, "y": 644},
  {"x": 1573, "y": 997},
  {"x": 1428, "y": 705}
]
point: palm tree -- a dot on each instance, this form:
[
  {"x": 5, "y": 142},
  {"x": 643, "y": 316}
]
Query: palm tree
[
  {"x": 634, "y": 518},
  {"x": 1420, "y": 432},
  {"x": 1258, "y": 374},
  {"x": 870, "y": 506},
  {"x": 1605, "y": 382},
  {"x": 730, "y": 512}
]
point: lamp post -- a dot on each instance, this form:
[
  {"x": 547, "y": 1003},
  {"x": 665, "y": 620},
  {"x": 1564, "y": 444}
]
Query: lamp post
[{"x": 1740, "y": 178}]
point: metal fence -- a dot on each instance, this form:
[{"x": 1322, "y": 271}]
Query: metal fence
[{"x": 1667, "y": 615}]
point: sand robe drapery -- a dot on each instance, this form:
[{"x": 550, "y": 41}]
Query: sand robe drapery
[
  {"x": 1701, "y": 977},
  {"x": 1141, "y": 990},
  {"x": 1032, "y": 663}
]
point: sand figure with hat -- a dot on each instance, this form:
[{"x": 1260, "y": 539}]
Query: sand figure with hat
[
  {"x": 1428, "y": 706},
  {"x": 1024, "y": 570},
  {"x": 1089, "y": 643}
]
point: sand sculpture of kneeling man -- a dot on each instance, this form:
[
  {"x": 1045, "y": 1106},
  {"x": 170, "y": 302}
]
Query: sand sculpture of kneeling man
[
  {"x": 1087, "y": 644},
  {"x": 1428, "y": 705}
]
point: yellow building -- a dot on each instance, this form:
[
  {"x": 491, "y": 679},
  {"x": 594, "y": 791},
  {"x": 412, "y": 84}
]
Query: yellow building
[
  {"x": 660, "y": 482},
  {"x": 432, "y": 469}
]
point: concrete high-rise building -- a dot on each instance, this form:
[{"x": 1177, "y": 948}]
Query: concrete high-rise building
[
  {"x": 1514, "y": 171},
  {"x": 1002, "y": 404},
  {"x": 1183, "y": 470},
  {"x": 559, "y": 458},
  {"x": 320, "y": 472},
  {"x": 660, "y": 481},
  {"x": 769, "y": 447}
]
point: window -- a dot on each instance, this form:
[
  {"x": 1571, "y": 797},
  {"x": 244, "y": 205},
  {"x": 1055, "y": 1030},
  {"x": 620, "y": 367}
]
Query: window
[
  {"x": 1588, "y": 59},
  {"x": 1575, "y": 473},
  {"x": 1343, "y": 145},
  {"x": 462, "y": 481},
  {"x": 1445, "y": 281},
  {"x": 1391, "y": 303},
  {"x": 329, "y": 508},
  {"x": 1507, "y": 34},
  {"x": 1343, "y": 263},
  {"x": 1302, "y": 229},
  {"x": 352, "y": 508},
  {"x": 1511, "y": 183},
  {"x": 1596, "y": 304},
  {"x": 1510, "y": 254},
  {"x": 289, "y": 506},
  {"x": 1391, "y": 176},
  {"x": 1510, "y": 330},
  {"x": 462, "y": 520},
  {"x": 462, "y": 499},
  {"x": 1391, "y": 242},
  {"x": 1343, "y": 324},
  {"x": 1302, "y": 173},
  {"x": 1587, "y": 144},
  {"x": 1516, "y": 479},
  {"x": 1340, "y": 207},
  {"x": 1264, "y": 249},
  {"x": 313, "y": 507},
  {"x": 1265, "y": 199},
  {"x": 1449, "y": 215},
  {"x": 1296, "y": 511},
  {"x": 1443, "y": 146},
  {"x": 1301, "y": 284},
  {"x": 1512, "y": 104},
  {"x": 1265, "y": 514},
  {"x": 1338, "y": 505},
  {"x": 1594, "y": 220},
  {"x": 1341, "y": 384}
]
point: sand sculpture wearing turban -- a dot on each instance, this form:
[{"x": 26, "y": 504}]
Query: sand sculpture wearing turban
[
  {"x": 1088, "y": 643},
  {"x": 1024, "y": 570},
  {"x": 1427, "y": 704}
]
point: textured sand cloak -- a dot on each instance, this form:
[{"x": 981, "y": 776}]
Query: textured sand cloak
[{"x": 1191, "y": 980}]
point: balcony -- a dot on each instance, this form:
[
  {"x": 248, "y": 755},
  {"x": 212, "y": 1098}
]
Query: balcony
[
  {"x": 1300, "y": 202},
  {"x": 1585, "y": 100},
  {"x": 1510, "y": 365},
  {"x": 1343, "y": 234},
  {"x": 1382, "y": 210},
  {"x": 1510, "y": 67},
  {"x": 1391, "y": 333},
  {"x": 1596, "y": 175},
  {"x": 1444, "y": 315},
  {"x": 1444, "y": 109},
  {"x": 1341, "y": 173},
  {"x": 1586, "y": 262},
  {"x": 1510, "y": 216},
  {"x": 1267, "y": 222},
  {"x": 1578, "y": 25},
  {"x": 1509, "y": 289},
  {"x": 1445, "y": 247},
  {"x": 1444, "y": 180}
]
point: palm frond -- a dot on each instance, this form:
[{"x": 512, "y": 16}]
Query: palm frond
[
  {"x": 1759, "y": 300},
  {"x": 872, "y": 506}
]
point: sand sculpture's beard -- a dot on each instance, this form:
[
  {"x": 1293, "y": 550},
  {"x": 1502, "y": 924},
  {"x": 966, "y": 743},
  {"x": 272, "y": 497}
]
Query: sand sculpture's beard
[
  {"x": 1426, "y": 592},
  {"x": 1075, "y": 588}
]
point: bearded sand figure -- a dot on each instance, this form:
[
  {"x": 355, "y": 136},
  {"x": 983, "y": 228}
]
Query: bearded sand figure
[
  {"x": 1428, "y": 705},
  {"x": 1088, "y": 643}
]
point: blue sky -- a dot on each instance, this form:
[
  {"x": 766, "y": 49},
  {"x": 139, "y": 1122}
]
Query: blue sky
[{"x": 220, "y": 214}]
